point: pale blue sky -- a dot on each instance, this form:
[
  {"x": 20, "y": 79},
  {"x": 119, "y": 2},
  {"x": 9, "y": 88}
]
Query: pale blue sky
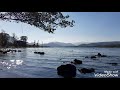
[{"x": 89, "y": 27}]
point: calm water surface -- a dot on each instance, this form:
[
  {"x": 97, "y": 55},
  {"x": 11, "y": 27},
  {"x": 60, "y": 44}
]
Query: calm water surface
[{"x": 26, "y": 64}]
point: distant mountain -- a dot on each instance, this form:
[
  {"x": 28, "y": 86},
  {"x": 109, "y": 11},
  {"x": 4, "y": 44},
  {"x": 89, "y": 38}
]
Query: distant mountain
[
  {"x": 79, "y": 43},
  {"x": 102, "y": 44},
  {"x": 58, "y": 44}
]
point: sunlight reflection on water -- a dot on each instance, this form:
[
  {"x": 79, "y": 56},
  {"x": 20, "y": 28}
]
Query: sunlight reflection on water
[
  {"x": 11, "y": 63},
  {"x": 17, "y": 62}
]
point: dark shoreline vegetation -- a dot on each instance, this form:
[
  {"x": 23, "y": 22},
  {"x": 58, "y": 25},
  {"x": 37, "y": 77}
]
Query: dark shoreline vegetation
[{"x": 7, "y": 41}]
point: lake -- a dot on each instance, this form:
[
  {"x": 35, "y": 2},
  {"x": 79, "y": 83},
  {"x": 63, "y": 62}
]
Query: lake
[{"x": 26, "y": 64}]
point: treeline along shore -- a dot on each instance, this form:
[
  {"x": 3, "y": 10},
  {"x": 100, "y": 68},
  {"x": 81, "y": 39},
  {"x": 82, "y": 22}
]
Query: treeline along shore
[{"x": 7, "y": 41}]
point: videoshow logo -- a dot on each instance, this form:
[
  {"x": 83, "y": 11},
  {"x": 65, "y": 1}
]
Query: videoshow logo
[{"x": 107, "y": 74}]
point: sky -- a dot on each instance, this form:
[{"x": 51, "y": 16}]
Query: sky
[{"x": 89, "y": 27}]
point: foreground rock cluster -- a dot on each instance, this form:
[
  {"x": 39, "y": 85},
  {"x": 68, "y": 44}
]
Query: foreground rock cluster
[{"x": 69, "y": 70}]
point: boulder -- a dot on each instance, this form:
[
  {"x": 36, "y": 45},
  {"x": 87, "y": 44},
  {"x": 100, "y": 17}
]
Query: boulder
[
  {"x": 114, "y": 64},
  {"x": 4, "y": 51},
  {"x": 19, "y": 50},
  {"x": 93, "y": 57},
  {"x": 67, "y": 71},
  {"x": 76, "y": 61},
  {"x": 13, "y": 50},
  {"x": 41, "y": 53},
  {"x": 85, "y": 70},
  {"x": 36, "y": 52},
  {"x": 86, "y": 57},
  {"x": 103, "y": 55},
  {"x": 99, "y": 55}
]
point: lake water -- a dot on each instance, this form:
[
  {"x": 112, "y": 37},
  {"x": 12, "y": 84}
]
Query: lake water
[{"x": 26, "y": 64}]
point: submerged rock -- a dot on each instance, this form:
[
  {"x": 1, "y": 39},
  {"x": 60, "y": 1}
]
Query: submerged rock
[
  {"x": 19, "y": 50},
  {"x": 93, "y": 57},
  {"x": 103, "y": 55},
  {"x": 41, "y": 53},
  {"x": 114, "y": 64},
  {"x": 36, "y": 52},
  {"x": 96, "y": 56},
  {"x": 13, "y": 50},
  {"x": 86, "y": 57},
  {"x": 76, "y": 61},
  {"x": 85, "y": 70},
  {"x": 67, "y": 71},
  {"x": 100, "y": 55},
  {"x": 4, "y": 51}
]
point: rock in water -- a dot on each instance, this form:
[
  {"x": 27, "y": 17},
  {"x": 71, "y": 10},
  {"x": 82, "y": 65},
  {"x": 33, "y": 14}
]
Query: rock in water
[
  {"x": 86, "y": 57},
  {"x": 41, "y": 53},
  {"x": 103, "y": 55},
  {"x": 93, "y": 57},
  {"x": 85, "y": 70},
  {"x": 67, "y": 71},
  {"x": 77, "y": 61},
  {"x": 114, "y": 64},
  {"x": 19, "y": 50},
  {"x": 99, "y": 55}
]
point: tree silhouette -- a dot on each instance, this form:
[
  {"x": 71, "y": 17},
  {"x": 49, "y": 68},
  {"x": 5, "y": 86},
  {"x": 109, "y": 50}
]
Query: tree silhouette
[
  {"x": 4, "y": 39},
  {"x": 47, "y": 21},
  {"x": 14, "y": 36},
  {"x": 24, "y": 38}
]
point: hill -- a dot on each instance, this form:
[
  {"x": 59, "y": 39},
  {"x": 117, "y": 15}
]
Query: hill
[{"x": 102, "y": 44}]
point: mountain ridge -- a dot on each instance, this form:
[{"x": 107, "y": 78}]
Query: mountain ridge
[
  {"x": 89, "y": 44},
  {"x": 102, "y": 44},
  {"x": 58, "y": 44}
]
